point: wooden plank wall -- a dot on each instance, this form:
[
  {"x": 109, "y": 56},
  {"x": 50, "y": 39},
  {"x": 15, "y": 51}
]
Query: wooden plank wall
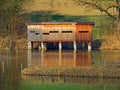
[
  {"x": 56, "y": 32},
  {"x": 83, "y": 32},
  {"x": 59, "y": 32}
]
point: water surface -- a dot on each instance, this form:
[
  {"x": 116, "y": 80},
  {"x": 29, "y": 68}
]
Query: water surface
[{"x": 12, "y": 62}]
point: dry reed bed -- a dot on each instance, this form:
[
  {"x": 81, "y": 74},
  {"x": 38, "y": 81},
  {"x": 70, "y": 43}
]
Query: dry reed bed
[
  {"x": 90, "y": 72},
  {"x": 15, "y": 43},
  {"x": 111, "y": 41}
]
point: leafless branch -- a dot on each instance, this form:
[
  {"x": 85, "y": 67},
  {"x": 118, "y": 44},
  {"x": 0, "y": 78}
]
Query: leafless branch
[
  {"x": 51, "y": 3},
  {"x": 98, "y": 6}
]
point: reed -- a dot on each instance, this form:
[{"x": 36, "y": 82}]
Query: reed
[
  {"x": 89, "y": 72},
  {"x": 111, "y": 41}
]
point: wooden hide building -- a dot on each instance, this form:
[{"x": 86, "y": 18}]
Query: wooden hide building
[{"x": 59, "y": 32}]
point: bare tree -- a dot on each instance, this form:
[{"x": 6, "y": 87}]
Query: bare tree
[
  {"x": 13, "y": 9},
  {"x": 104, "y": 6}
]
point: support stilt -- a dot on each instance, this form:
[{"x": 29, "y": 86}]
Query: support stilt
[
  {"x": 74, "y": 44},
  {"x": 89, "y": 46},
  {"x": 42, "y": 46},
  {"x": 29, "y": 45},
  {"x": 60, "y": 46},
  {"x": 39, "y": 46}
]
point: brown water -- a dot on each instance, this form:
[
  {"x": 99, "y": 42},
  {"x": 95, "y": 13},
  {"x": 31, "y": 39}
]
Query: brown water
[
  {"x": 59, "y": 59},
  {"x": 12, "y": 62}
]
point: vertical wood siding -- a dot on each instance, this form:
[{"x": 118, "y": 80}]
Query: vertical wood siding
[
  {"x": 83, "y": 32},
  {"x": 59, "y": 32}
]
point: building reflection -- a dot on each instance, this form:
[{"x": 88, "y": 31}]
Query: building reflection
[
  {"x": 58, "y": 58},
  {"x": 83, "y": 59}
]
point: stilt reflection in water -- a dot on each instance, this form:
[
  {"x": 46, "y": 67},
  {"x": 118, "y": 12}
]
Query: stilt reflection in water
[{"x": 59, "y": 58}]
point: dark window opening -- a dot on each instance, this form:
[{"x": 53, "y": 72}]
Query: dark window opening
[
  {"x": 36, "y": 33},
  {"x": 83, "y": 31},
  {"x": 32, "y": 31},
  {"x": 45, "y": 33},
  {"x": 66, "y": 31},
  {"x": 54, "y": 31}
]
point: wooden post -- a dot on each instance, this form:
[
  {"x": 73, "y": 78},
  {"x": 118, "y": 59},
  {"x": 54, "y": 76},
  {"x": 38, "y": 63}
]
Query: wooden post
[
  {"x": 29, "y": 45},
  {"x": 89, "y": 46},
  {"x": 74, "y": 44},
  {"x": 60, "y": 46},
  {"x": 39, "y": 46},
  {"x": 42, "y": 46},
  {"x": 83, "y": 45}
]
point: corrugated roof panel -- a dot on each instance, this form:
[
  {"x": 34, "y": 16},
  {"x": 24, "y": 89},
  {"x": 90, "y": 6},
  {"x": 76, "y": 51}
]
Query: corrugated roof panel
[{"x": 38, "y": 23}]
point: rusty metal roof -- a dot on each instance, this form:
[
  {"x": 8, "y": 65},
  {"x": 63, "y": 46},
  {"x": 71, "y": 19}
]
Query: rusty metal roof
[
  {"x": 89, "y": 23},
  {"x": 38, "y": 23}
]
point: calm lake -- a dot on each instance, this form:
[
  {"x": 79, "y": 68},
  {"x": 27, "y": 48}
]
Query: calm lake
[{"x": 12, "y": 62}]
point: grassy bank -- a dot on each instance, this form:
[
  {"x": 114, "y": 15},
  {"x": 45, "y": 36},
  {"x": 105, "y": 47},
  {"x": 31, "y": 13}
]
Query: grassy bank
[{"x": 63, "y": 7}]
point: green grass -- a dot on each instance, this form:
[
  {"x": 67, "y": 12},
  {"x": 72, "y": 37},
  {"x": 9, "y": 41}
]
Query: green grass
[{"x": 62, "y": 86}]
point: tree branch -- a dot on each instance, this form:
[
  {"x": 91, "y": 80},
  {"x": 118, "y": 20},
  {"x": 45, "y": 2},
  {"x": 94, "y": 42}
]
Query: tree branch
[
  {"x": 51, "y": 3},
  {"x": 118, "y": 9},
  {"x": 98, "y": 7}
]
